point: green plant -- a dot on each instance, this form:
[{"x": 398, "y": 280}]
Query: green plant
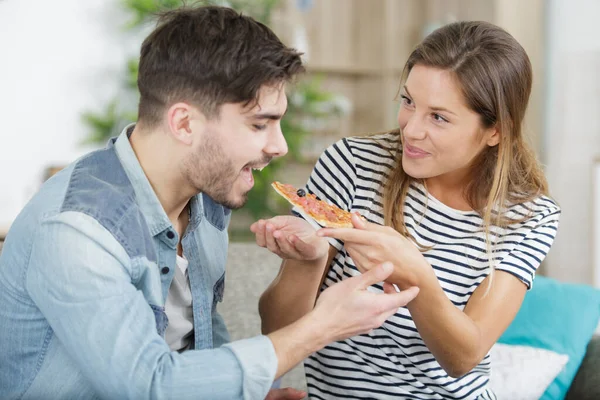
[{"x": 307, "y": 103}]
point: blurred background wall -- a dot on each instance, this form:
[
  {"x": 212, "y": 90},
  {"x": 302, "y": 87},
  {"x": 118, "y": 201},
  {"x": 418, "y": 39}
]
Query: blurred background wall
[
  {"x": 60, "y": 59},
  {"x": 57, "y": 59},
  {"x": 571, "y": 136}
]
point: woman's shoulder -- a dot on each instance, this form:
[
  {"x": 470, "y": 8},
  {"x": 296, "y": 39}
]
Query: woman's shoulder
[
  {"x": 383, "y": 144},
  {"x": 540, "y": 208},
  {"x": 386, "y": 140}
]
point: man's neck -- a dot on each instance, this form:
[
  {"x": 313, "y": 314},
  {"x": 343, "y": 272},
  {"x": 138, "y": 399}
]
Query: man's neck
[{"x": 156, "y": 159}]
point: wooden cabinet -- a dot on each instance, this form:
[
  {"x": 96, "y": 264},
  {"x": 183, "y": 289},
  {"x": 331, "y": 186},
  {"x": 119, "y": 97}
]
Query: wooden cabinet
[{"x": 359, "y": 47}]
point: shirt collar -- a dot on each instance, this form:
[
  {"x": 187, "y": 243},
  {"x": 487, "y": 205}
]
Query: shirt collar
[{"x": 150, "y": 206}]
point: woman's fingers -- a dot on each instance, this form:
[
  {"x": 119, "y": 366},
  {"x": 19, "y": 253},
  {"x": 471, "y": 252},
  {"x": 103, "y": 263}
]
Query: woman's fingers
[{"x": 349, "y": 235}]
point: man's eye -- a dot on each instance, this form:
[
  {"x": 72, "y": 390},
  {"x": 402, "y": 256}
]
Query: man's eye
[
  {"x": 406, "y": 100},
  {"x": 260, "y": 127}
]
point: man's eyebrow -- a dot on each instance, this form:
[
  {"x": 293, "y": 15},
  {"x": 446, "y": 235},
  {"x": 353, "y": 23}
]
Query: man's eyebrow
[{"x": 267, "y": 115}]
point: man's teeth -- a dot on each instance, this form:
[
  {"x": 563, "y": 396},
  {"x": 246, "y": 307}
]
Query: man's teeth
[{"x": 258, "y": 169}]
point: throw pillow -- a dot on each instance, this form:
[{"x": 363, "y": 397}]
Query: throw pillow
[
  {"x": 559, "y": 317},
  {"x": 523, "y": 372}
]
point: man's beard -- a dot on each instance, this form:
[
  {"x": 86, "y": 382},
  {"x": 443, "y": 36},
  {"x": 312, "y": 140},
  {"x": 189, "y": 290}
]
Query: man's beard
[{"x": 210, "y": 171}]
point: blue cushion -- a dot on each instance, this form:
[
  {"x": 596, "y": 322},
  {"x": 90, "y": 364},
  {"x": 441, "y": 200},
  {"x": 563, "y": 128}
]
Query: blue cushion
[{"x": 560, "y": 317}]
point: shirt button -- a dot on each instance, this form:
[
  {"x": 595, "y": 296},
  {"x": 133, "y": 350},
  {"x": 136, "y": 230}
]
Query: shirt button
[
  {"x": 165, "y": 270},
  {"x": 170, "y": 235}
]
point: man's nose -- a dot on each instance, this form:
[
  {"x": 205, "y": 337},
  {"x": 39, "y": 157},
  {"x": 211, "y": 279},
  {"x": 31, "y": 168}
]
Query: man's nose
[{"x": 277, "y": 145}]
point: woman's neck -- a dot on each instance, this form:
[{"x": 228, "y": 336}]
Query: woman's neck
[{"x": 450, "y": 190}]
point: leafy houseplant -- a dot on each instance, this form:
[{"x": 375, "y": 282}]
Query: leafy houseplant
[{"x": 307, "y": 104}]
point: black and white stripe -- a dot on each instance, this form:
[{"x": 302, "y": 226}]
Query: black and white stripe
[{"x": 393, "y": 361}]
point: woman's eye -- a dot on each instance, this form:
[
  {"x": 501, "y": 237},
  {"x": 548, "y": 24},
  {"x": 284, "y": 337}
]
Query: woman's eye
[
  {"x": 260, "y": 127},
  {"x": 439, "y": 118}
]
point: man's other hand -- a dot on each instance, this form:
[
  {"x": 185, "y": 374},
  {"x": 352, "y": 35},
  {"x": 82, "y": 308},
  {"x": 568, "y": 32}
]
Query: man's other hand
[{"x": 285, "y": 394}]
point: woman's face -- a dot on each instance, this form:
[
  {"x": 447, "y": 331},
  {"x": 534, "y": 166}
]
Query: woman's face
[{"x": 441, "y": 136}]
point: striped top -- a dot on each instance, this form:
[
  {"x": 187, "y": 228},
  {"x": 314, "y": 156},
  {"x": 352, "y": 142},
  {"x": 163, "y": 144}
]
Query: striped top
[{"x": 393, "y": 361}]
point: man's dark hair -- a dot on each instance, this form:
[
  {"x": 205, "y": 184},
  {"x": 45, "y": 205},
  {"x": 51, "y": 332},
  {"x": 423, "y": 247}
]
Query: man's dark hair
[{"x": 209, "y": 56}]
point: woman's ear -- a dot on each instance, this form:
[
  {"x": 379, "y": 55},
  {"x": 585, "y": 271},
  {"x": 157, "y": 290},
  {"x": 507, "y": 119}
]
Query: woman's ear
[{"x": 492, "y": 136}]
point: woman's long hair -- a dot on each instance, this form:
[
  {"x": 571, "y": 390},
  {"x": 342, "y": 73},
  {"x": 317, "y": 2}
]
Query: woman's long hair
[{"x": 495, "y": 76}]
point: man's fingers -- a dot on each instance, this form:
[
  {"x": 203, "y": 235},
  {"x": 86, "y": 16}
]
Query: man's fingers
[
  {"x": 258, "y": 228},
  {"x": 281, "y": 221},
  {"x": 285, "y": 245},
  {"x": 255, "y": 225},
  {"x": 272, "y": 244},
  {"x": 285, "y": 394},
  {"x": 389, "y": 288},
  {"x": 393, "y": 301},
  {"x": 294, "y": 394},
  {"x": 375, "y": 275},
  {"x": 300, "y": 245}
]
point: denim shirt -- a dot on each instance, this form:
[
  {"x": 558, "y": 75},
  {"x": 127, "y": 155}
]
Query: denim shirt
[{"x": 84, "y": 275}]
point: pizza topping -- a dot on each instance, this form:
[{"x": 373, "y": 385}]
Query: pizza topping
[{"x": 321, "y": 211}]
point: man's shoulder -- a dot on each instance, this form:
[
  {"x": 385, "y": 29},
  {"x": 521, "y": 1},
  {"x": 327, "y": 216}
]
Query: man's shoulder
[
  {"x": 97, "y": 186},
  {"x": 100, "y": 188},
  {"x": 97, "y": 183}
]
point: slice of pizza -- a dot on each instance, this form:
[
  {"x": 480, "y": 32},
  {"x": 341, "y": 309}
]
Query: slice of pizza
[{"x": 323, "y": 213}]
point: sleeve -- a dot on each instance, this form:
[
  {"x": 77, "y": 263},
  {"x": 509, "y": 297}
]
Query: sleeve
[
  {"x": 220, "y": 332},
  {"x": 80, "y": 277},
  {"x": 333, "y": 180},
  {"x": 527, "y": 255}
]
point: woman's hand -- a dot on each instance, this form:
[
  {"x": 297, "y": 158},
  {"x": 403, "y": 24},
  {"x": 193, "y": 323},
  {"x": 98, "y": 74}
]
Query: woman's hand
[
  {"x": 370, "y": 244},
  {"x": 291, "y": 238}
]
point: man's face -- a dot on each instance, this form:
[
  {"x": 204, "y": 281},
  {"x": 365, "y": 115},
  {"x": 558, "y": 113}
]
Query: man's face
[{"x": 232, "y": 145}]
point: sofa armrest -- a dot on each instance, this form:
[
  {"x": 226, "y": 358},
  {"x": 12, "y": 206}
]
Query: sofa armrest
[{"x": 586, "y": 385}]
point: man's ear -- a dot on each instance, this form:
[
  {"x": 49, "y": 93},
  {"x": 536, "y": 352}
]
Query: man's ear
[
  {"x": 493, "y": 136},
  {"x": 179, "y": 120}
]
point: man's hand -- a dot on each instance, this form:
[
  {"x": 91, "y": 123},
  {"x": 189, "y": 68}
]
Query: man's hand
[
  {"x": 343, "y": 310},
  {"x": 285, "y": 394},
  {"x": 347, "y": 308},
  {"x": 291, "y": 238}
]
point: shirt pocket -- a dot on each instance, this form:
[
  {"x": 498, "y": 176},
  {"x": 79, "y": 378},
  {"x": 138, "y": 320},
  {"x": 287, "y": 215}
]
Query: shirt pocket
[{"x": 162, "y": 321}]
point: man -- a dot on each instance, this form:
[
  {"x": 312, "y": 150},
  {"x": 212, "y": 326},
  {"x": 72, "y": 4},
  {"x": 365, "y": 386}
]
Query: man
[{"x": 110, "y": 276}]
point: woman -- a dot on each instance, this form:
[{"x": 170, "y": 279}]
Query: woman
[{"x": 454, "y": 199}]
